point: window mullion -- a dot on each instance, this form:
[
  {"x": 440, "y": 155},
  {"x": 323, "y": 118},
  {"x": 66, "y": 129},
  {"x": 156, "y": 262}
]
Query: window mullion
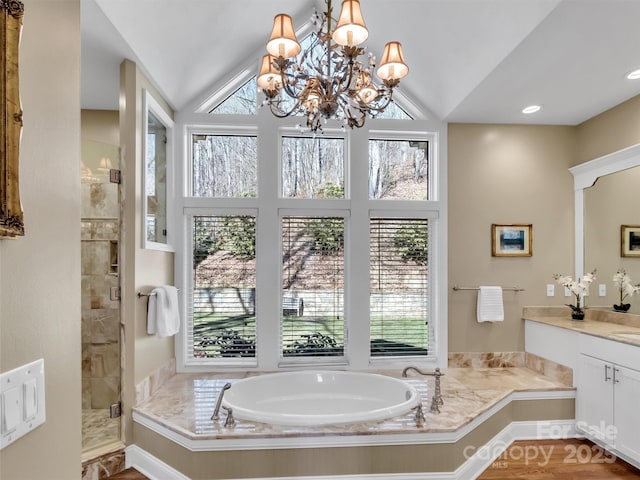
[
  {"x": 267, "y": 247},
  {"x": 357, "y": 265}
]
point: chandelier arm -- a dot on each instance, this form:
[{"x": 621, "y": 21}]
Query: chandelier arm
[
  {"x": 352, "y": 120},
  {"x": 386, "y": 94},
  {"x": 279, "y": 112}
]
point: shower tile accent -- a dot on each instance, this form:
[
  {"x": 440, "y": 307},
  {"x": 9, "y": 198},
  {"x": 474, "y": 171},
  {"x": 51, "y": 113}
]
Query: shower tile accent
[
  {"x": 486, "y": 359},
  {"x": 100, "y": 200},
  {"x": 100, "y": 315}
]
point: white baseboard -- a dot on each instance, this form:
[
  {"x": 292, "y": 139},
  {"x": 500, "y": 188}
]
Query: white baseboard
[
  {"x": 150, "y": 466},
  {"x": 479, "y": 458}
]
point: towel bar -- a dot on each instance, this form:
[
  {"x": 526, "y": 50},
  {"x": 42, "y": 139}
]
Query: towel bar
[
  {"x": 515, "y": 289},
  {"x": 150, "y": 294}
]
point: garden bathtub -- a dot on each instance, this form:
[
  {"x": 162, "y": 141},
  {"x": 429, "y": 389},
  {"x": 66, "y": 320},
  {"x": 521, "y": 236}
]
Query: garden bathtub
[{"x": 314, "y": 398}]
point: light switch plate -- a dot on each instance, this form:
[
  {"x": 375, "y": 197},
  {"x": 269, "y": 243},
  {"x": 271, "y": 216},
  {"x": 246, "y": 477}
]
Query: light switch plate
[
  {"x": 11, "y": 402},
  {"x": 567, "y": 292},
  {"x": 30, "y": 398},
  {"x": 22, "y": 402},
  {"x": 602, "y": 289},
  {"x": 551, "y": 289}
]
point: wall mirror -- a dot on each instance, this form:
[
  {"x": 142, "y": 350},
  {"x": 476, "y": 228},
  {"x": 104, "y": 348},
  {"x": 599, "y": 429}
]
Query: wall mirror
[
  {"x": 11, "y": 217},
  {"x": 157, "y": 175},
  {"x": 607, "y": 195}
]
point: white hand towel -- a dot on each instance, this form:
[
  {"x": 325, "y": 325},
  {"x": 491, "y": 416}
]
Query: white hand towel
[
  {"x": 490, "y": 308},
  {"x": 163, "y": 314}
]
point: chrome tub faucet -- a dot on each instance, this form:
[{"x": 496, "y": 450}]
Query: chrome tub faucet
[
  {"x": 436, "y": 400},
  {"x": 216, "y": 410}
]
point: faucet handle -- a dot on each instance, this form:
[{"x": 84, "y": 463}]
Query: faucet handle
[
  {"x": 230, "y": 421},
  {"x": 419, "y": 417}
]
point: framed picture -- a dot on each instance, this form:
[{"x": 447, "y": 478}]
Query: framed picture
[
  {"x": 630, "y": 240},
  {"x": 511, "y": 240}
]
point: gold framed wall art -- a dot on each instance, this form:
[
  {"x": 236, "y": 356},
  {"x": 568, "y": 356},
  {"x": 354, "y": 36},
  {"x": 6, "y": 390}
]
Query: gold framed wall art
[
  {"x": 630, "y": 241},
  {"x": 11, "y": 217},
  {"x": 514, "y": 240}
]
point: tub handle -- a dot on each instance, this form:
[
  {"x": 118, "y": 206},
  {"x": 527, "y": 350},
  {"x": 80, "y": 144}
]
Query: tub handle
[
  {"x": 419, "y": 417},
  {"x": 216, "y": 410},
  {"x": 230, "y": 421}
]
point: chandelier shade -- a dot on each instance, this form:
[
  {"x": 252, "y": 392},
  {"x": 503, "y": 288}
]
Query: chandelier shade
[
  {"x": 269, "y": 77},
  {"x": 351, "y": 29},
  {"x": 327, "y": 79},
  {"x": 392, "y": 65},
  {"x": 283, "y": 41}
]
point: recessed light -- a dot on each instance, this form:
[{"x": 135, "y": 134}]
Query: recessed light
[
  {"x": 635, "y": 75},
  {"x": 531, "y": 109}
]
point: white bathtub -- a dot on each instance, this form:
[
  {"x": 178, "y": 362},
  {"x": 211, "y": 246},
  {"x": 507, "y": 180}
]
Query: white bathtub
[{"x": 313, "y": 398}]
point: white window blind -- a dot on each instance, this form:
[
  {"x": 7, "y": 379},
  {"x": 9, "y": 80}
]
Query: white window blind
[
  {"x": 399, "y": 289},
  {"x": 221, "y": 311},
  {"x": 312, "y": 319}
]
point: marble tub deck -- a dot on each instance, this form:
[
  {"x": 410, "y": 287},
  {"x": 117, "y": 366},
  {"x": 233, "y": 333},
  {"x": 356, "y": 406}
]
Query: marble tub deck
[{"x": 184, "y": 404}]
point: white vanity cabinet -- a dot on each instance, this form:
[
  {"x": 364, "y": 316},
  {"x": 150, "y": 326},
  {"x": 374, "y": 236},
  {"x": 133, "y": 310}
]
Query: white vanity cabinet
[
  {"x": 608, "y": 383},
  {"x": 625, "y": 408}
]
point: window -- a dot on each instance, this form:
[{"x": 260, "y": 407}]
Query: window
[
  {"x": 312, "y": 319},
  {"x": 312, "y": 167},
  {"x": 399, "y": 267},
  {"x": 242, "y": 101},
  {"x": 398, "y": 169},
  {"x": 157, "y": 175},
  {"x": 224, "y": 165},
  {"x": 223, "y": 286},
  {"x": 312, "y": 250}
]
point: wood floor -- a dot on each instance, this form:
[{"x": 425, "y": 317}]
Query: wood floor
[
  {"x": 128, "y": 474},
  {"x": 558, "y": 459},
  {"x": 535, "y": 460}
]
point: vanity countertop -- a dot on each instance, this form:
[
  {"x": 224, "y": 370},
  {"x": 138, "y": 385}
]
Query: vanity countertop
[{"x": 599, "y": 323}]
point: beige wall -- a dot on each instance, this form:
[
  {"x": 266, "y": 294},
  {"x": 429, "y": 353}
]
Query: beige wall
[
  {"x": 506, "y": 174},
  {"x": 141, "y": 269},
  {"x": 610, "y": 131},
  {"x": 519, "y": 174},
  {"x": 40, "y": 273}
]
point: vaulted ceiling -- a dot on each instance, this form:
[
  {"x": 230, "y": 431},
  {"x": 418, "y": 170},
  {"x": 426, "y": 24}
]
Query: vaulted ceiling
[{"x": 470, "y": 60}]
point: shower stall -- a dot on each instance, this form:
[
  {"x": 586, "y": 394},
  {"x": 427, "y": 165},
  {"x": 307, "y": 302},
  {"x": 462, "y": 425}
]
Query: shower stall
[{"x": 101, "y": 326}]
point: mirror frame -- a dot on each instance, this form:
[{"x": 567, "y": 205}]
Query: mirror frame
[
  {"x": 150, "y": 104},
  {"x": 585, "y": 175},
  {"x": 11, "y": 215}
]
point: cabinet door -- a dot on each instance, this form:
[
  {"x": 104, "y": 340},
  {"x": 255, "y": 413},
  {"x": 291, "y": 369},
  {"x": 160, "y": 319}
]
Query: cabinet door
[
  {"x": 594, "y": 399},
  {"x": 627, "y": 420}
]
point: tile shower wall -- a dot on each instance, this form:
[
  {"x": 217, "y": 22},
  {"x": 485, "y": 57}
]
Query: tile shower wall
[{"x": 100, "y": 314}]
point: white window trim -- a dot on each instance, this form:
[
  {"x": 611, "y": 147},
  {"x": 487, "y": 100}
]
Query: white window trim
[
  {"x": 269, "y": 206},
  {"x": 150, "y": 104}
]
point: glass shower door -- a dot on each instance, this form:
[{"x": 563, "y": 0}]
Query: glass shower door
[{"x": 101, "y": 335}]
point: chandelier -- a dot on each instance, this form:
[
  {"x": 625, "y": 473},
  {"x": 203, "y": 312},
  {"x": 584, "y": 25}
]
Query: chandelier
[{"x": 328, "y": 80}]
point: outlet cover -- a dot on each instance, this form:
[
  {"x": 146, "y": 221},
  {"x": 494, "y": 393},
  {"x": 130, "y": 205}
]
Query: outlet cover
[
  {"x": 602, "y": 289},
  {"x": 551, "y": 289}
]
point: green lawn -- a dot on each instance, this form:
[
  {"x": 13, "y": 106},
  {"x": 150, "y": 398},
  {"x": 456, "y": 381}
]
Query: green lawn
[{"x": 216, "y": 334}]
